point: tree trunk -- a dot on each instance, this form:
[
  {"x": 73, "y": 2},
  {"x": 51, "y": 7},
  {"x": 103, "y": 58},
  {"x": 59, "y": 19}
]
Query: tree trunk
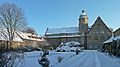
[{"x": 10, "y": 45}]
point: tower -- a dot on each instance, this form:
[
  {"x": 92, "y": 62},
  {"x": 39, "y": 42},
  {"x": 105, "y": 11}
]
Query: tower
[
  {"x": 83, "y": 28},
  {"x": 83, "y": 23}
]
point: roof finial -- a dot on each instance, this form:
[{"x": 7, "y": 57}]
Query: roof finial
[{"x": 83, "y": 11}]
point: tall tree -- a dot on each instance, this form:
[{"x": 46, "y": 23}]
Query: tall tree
[{"x": 12, "y": 19}]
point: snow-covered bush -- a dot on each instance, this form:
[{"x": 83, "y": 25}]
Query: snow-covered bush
[
  {"x": 59, "y": 59},
  {"x": 69, "y": 47}
]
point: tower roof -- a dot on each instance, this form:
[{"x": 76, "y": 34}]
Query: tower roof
[{"x": 83, "y": 14}]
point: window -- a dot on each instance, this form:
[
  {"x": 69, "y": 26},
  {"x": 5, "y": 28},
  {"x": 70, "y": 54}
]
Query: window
[
  {"x": 95, "y": 32},
  {"x": 103, "y": 32},
  {"x": 102, "y": 37},
  {"x": 96, "y": 38}
]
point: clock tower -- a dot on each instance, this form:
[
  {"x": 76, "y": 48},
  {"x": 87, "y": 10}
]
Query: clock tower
[{"x": 83, "y": 23}]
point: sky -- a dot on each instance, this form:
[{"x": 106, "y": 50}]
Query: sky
[{"x": 43, "y": 14}]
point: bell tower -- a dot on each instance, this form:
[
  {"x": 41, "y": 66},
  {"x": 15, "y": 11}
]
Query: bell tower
[{"x": 83, "y": 23}]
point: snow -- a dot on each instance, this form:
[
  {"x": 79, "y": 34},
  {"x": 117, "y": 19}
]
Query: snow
[
  {"x": 109, "y": 40},
  {"x": 63, "y": 30},
  {"x": 18, "y": 35},
  {"x": 72, "y": 43},
  {"x": 17, "y": 38},
  {"x": 69, "y": 46},
  {"x": 108, "y": 61},
  {"x": 112, "y": 38},
  {"x": 88, "y": 58},
  {"x": 118, "y": 37},
  {"x": 62, "y": 36},
  {"x": 26, "y": 36},
  {"x": 31, "y": 59},
  {"x": 5, "y": 36}
]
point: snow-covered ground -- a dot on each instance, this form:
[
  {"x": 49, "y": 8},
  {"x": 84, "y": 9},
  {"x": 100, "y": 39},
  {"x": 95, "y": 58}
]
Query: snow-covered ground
[{"x": 88, "y": 58}]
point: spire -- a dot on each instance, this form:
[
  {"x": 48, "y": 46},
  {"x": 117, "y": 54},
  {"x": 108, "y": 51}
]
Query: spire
[
  {"x": 83, "y": 14},
  {"x": 83, "y": 11}
]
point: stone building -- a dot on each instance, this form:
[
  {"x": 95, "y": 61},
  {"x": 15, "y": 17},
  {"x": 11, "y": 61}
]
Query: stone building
[
  {"x": 117, "y": 32},
  {"x": 89, "y": 37},
  {"x": 98, "y": 33}
]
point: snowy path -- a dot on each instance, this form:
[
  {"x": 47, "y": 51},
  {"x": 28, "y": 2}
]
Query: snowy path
[{"x": 90, "y": 59}]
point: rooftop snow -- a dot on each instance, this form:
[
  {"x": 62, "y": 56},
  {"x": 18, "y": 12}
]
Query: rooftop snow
[
  {"x": 62, "y": 36},
  {"x": 26, "y": 36},
  {"x": 63, "y": 30},
  {"x": 18, "y": 36},
  {"x": 111, "y": 39},
  {"x": 4, "y": 36}
]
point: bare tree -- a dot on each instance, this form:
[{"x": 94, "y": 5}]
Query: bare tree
[
  {"x": 12, "y": 19},
  {"x": 30, "y": 30}
]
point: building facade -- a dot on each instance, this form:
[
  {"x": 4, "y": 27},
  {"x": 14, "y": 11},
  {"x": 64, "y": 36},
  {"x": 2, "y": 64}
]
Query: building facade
[
  {"x": 89, "y": 37},
  {"x": 98, "y": 33},
  {"x": 20, "y": 40},
  {"x": 116, "y": 32}
]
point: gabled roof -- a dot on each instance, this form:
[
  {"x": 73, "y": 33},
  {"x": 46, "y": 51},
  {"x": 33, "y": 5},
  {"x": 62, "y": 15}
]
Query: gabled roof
[
  {"x": 62, "y": 30},
  {"x": 98, "y": 19}
]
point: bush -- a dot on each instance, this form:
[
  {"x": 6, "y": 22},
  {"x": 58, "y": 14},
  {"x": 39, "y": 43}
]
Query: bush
[
  {"x": 118, "y": 53},
  {"x": 59, "y": 59}
]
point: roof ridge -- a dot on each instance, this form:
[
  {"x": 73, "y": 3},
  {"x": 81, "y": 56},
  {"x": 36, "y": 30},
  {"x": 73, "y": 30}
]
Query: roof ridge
[{"x": 62, "y": 27}]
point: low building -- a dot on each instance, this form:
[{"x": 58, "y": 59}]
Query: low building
[
  {"x": 113, "y": 43},
  {"x": 21, "y": 39},
  {"x": 30, "y": 39},
  {"x": 4, "y": 41},
  {"x": 61, "y": 35},
  {"x": 116, "y": 32}
]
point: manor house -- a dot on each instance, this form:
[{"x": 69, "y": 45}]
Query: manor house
[{"x": 90, "y": 37}]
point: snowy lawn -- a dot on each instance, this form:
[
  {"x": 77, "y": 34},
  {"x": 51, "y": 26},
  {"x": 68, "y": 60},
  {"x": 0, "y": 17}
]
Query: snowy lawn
[
  {"x": 88, "y": 58},
  {"x": 31, "y": 58}
]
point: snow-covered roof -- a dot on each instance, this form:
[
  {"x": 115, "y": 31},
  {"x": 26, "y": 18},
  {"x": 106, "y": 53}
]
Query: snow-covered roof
[
  {"x": 62, "y": 36},
  {"x": 83, "y": 14},
  {"x": 4, "y": 36},
  {"x": 19, "y": 36},
  {"x": 118, "y": 37},
  {"x": 62, "y": 30},
  {"x": 111, "y": 39},
  {"x": 26, "y": 36}
]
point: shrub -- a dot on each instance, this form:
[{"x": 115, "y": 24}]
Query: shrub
[{"x": 59, "y": 59}]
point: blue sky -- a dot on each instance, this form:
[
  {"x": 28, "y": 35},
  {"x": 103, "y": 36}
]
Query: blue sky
[{"x": 42, "y": 14}]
